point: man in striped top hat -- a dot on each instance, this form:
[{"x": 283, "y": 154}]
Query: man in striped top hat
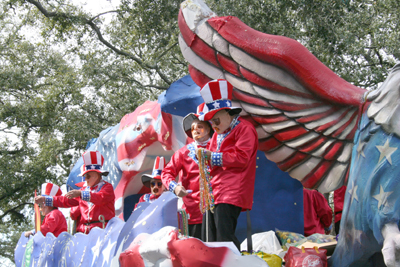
[
  {"x": 153, "y": 181},
  {"x": 232, "y": 153},
  {"x": 54, "y": 221},
  {"x": 95, "y": 199}
]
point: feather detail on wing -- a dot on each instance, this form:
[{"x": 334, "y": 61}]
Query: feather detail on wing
[{"x": 305, "y": 115}]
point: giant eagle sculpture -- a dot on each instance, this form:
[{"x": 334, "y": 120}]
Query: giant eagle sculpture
[{"x": 316, "y": 126}]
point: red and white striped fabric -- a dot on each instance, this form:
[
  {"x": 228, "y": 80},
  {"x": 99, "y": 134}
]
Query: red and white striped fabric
[
  {"x": 92, "y": 161},
  {"x": 217, "y": 95},
  {"x": 49, "y": 189}
]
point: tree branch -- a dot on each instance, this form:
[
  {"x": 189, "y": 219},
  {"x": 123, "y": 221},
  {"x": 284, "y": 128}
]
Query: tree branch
[
  {"x": 14, "y": 209},
  {"x": 96, "y": 29}
]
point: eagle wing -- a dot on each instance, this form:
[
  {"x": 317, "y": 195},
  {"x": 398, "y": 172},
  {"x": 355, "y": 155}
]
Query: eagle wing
[{"x": 305, "y": 115}]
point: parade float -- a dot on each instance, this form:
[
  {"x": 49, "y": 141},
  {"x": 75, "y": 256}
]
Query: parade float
[{"x": 314, "y": 126}]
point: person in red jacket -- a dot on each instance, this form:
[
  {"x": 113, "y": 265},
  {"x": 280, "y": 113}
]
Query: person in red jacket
[
  {"x": 54, "y": 221},
  {"x": 95, "y": 199},
  {"x": 185, "y": 164},
  {"x": 317, "y": 213},
  {"x": 232, "y": 153},
  {"x": 153, "y": 181}
]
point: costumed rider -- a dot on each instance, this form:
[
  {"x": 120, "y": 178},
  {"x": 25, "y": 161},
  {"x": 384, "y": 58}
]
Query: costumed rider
[
  {"x": 231, "y": 153},
  {"x": 95, "y": 199},
  {"x": 185, "y": 164},
  {"x": 54, "y": 221},
  {"x": 153, "y": 181},
  {"x": 317, "y": 213}
]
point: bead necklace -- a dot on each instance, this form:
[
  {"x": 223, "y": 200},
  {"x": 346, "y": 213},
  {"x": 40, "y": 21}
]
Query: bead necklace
[{"x": 206, "y": 192}]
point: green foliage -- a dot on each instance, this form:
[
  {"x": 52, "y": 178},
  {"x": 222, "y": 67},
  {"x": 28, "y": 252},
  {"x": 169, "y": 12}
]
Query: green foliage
[{"x": 67, "y": 74}]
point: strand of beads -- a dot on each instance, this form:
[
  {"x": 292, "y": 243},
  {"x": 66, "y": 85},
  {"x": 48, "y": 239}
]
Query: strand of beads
[
  {"x": 206, "y": 193},
  {"x": 183, "y": 222}
]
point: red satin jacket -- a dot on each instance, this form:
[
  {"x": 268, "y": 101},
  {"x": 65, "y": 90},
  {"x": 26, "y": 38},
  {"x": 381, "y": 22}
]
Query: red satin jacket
[
  {"x": 317, "y": 213},
  {"x": 54, "y": 222},
  {"x": 338, "y": 200},
  {"x": 95, "y": 201},
  {"x": 184, "y": 163},
  {"x": 233, "y": 183}
]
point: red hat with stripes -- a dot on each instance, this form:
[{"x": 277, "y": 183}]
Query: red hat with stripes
[
  {"x": 49, "y": 189},
  {"x": 92, "y": 161},
  {"x": 159, "y": 165},
  {"x": 217, "y": 95}
]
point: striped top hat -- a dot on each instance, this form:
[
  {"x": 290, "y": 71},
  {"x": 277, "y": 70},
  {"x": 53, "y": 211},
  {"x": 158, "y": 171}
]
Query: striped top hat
[
  {"x": 51, "y": 190},
  {"x": 92, "y": 161},
  {"x": 159, "y": 165},
  {"x": 217, "y": 95},
  {"x": 188, "y": 120}
]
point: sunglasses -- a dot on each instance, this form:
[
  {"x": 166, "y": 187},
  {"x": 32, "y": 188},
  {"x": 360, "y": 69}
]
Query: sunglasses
[{"x": 153, "y": 184}]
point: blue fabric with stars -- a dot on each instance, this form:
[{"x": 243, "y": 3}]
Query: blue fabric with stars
[
  {"x": 192, "y": 152},
  {"x": 219, "y": 104},
  {"x": 372, "y": 197},
  {"x": 48, "y": 201},
  {"x": 216, "y": 158},
  {"x": 172, "y": 185},
  {"x": 85, "y": 195}
]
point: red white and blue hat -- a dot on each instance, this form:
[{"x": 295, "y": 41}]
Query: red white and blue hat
[
  {"x": 217, "y": 95},
  {"x": 51, "y": 190},
  {"x": 92, "y": 161},
  {"x": 189, "y": 118},
  {"x": 159, "y": 165}
]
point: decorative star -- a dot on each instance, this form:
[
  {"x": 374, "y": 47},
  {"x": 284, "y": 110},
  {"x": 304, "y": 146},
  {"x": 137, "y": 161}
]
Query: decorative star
[
  {"x": 228, "y": 103},
  {"x": 386, "y": 151},
  {"x": 382, "y": 197},
  {"x": 96, "y": 250},
  {"x": 353, "y": 192},
  {"x": 360, "y": 148},
  {"x": 107, "y": 252},
  {"x": 216, "y": 105}
]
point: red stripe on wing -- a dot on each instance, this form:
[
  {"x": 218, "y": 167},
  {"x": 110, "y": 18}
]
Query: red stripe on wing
[
  {"x": 315, "y": 176},
  {"x": 195, "y": 43},
  {"x": 198, "y": 77},
  {"x": 268, "y": 144},
  {"x": 290, "y": 133},
  {"x": 333, "y": 151},
  {"x": 228, "y": 65},
  {"x": 318, "y": 116},
  {"x": 313, "y": 144},
  {"x": 294, "y": 107},
  {"x": 331, "y": 123},
  {"x": 256, "y": 79},
  {"x": 269, "y": 119},
  {"x": 344, "y": 126},
  {"x": 250, "y": 99},
  {"x": 292, "y": 161}
]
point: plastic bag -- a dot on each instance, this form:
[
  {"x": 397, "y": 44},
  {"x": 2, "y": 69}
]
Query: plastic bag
[
  {"x": 289, "y": 239},
  {"x": 272, "y": 259},
  {"x": 319, "y": 238},
  {"x": 306, "y": 257},
  {"x": 266, "y": 242}
]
